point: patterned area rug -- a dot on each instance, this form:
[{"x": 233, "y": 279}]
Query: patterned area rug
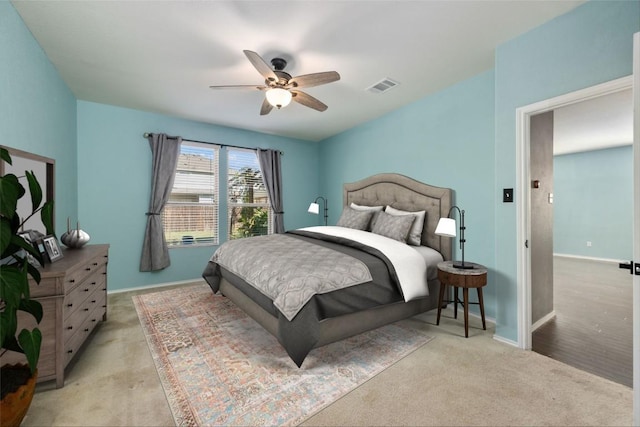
[{"x": 219, "y": 367}]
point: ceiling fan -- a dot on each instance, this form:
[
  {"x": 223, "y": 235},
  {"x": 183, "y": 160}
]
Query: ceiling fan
[{"x": 281, "y": 88}]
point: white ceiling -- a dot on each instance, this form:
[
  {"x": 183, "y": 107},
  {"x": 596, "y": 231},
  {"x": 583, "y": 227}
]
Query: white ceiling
[
  {"x": 162, "y": 56},
  {"x": 602, "y": 122}
]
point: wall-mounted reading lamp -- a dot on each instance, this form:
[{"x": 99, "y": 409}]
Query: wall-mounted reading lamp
[
  {"x": 447, "y": 228},
  {"x": 314, "y": 208}
]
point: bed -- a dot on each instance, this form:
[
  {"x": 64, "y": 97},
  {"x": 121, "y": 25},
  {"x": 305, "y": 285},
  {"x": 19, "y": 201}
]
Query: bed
[{"x": 344, "y": 312}]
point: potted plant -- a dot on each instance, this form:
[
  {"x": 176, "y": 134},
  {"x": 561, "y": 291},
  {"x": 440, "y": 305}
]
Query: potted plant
[{"x": 18, "y": 381}]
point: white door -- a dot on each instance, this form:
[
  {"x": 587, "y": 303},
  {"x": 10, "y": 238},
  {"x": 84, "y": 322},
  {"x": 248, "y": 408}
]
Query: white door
[{"x": 636, "y": 229}]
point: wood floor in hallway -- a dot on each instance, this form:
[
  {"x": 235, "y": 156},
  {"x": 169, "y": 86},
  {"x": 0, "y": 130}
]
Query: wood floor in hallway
[{"x": 592, "y": 329}]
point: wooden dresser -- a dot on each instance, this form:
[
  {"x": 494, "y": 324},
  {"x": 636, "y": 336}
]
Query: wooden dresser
[{"x": 73, "y": 294}]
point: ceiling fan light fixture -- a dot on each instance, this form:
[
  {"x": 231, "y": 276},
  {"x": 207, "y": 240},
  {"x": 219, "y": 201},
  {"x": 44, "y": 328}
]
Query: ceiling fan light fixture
[{"x": 278, "y": 97}]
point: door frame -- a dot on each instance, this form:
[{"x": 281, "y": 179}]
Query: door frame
[
  {"x": 636, "y": 228},
  {"x": 523, "y": 178}
]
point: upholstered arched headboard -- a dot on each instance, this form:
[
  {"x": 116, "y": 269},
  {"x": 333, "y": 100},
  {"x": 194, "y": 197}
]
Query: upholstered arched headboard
[{"x": 402, "y": 192}]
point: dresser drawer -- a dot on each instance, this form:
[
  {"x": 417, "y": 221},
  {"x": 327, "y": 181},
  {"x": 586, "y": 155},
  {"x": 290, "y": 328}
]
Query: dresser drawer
[
  {"x": 83, "y": 290},
  {"x": 86, "y": 327},
  {"x": 97, "y": 297},
  {"x": 77, "y": 276}
]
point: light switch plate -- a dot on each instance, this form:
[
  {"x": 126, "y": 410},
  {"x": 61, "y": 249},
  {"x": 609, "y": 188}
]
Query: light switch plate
[{"x": 507, "y": 195}]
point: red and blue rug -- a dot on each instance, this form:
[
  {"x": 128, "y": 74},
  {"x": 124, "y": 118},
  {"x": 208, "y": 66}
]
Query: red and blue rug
[{"x": 219, "y": 367}]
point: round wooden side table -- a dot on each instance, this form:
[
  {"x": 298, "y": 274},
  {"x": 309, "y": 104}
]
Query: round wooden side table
[{"x": 475, "y": 277}]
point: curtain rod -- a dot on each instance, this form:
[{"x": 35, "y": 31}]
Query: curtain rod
[{"x": 147, "y": 134}]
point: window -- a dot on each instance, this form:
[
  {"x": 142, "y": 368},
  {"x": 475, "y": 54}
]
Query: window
[
  {"x": 249, "y": 209},
  {"x": 191, "y": 214}
]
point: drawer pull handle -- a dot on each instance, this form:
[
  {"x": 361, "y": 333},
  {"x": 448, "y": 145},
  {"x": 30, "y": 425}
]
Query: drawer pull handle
[
  {"x": 93, "y": 283},
  {"x": 85, "y": 309},
  {"x": 69, "y": 327},
  {"x": 93, "y": 301},
  {"x": 104, "y": 273},
  {"x": 86, "y": 289},
  {"x": 70, "y": 305},
  {"x": 88, "y": 269},
  {"x": 94, "y": 320},
  {"x": 69, "y": 351},
  {"x": 95, "y": 263},
  {"x": 104, "y": 306},
  {"x": 86, "y": 329},
  {"x": 72, "y": 281}
]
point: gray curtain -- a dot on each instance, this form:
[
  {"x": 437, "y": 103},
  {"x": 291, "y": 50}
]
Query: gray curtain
[
  {"x": 272, "y": 176},
  {"x": 165, "y": 151}
]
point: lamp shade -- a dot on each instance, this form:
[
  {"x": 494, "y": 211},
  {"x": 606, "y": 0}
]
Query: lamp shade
[
  {"x": 278, "y": 97},
  {"x": 446, "y": 227},
  {"x": 314, "y": 208}
]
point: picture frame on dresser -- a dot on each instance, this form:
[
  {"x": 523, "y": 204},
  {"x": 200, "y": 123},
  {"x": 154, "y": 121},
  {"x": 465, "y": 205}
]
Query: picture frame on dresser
[{"x": 52, "y": 248}]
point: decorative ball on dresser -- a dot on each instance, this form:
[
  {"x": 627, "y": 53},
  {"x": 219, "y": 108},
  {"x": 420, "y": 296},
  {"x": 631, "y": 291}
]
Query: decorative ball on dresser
[{"x": 74, "y": 239}]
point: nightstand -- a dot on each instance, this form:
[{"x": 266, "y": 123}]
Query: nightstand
[{"x": 465, "y": 279}]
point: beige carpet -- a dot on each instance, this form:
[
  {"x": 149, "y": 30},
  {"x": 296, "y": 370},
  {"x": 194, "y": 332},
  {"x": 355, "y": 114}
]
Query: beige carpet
[{"x": 450, "y": 381}]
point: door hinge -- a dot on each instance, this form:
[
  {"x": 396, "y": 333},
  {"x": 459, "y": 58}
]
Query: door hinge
[{"x": 633, "y": 267}]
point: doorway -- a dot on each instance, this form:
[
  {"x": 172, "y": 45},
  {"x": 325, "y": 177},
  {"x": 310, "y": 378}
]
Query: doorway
[
  {"x": 524, "y": 185},
  {"x": 581, "y": 168}
]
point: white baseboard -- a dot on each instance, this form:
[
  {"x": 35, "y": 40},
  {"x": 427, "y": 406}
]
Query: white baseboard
[
  {"x": 543, "y": 320},
  {"x": 506, "y": 341},
  {"x": 588, "y": 258},
  {"x": 471, "y": 314},
  {"x": 487, "y": 319},
  {"x": 157, "y": 285}
]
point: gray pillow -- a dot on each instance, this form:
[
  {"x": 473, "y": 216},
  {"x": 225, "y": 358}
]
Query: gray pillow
[
  {"x": 374, "y": 209},
  {"x": 352, "y": 218},
  {"x": 394, "y": 227},
  {"x": 415, "y": 234}
]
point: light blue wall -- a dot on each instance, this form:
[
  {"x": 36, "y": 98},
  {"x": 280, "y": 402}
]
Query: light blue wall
[
  {"x": 593, "y": 201},
  {"x": 37, "y": 109},
  {"x": 114, "y": 161},
  {"x": 446, "y": 140},
  {"x": 587, "y": 46}
]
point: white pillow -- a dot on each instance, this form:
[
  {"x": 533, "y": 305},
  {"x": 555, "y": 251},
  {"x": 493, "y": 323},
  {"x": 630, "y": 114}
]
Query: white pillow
[
  {"x": 366, "y": 208},
  {"x": 415, "y": 234}
]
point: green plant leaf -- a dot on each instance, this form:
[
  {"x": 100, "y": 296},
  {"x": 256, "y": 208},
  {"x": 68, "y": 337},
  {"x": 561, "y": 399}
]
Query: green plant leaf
[
  {"x": 22, "y": 243},
  {"x": 12, "y": 284},
  {"x": 5, "y": 234},
  {"x": 34, "y": 272},
  {"x": 4, "y": 155},
  {"x": 8, "y": 327},
  {"x": 32, "y": 307},
  {"x": 10, "y": 191},
  {"x": 30, "y": 342},
  {"x": 46, "y": 214},
  {"x": 35, "y": 190}
]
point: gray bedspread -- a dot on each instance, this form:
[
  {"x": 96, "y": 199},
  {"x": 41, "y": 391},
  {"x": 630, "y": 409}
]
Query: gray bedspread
[
  {"x": 299, "y": 335},
  {"x": 288, "y": 270}
]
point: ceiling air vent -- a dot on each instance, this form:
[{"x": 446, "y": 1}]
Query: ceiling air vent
[{"x": 383, "y": 86}]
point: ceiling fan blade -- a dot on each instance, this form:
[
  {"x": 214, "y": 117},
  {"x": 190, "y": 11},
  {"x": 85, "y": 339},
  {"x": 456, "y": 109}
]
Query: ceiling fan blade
[
  {"x": 307, "y": 100},
  {"x": 315, "y": 79},
  {"x": 262, "y": 67},
  {"x": 259, "y": 87},
  {"x": 266, "y": 108}
]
